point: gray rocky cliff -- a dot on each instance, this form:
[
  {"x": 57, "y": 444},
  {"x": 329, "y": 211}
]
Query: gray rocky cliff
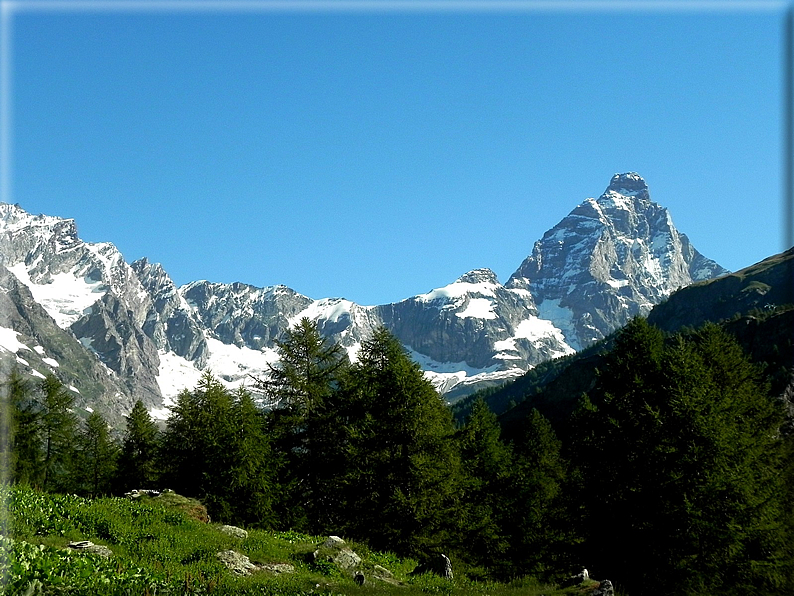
[
  {"x": 241, "y": 314},
  {"x": 111, "y": 331},
  {"x": 170, "y": 322}
]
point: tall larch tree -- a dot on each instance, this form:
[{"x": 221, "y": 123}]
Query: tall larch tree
[
  {"x": 138, "y": 457},
  {"x": 404, "y": 468},
  {"x": 59, "y": 432},
  {"x": 96, "y": 458},
  {"x": 302, "y": 385}
]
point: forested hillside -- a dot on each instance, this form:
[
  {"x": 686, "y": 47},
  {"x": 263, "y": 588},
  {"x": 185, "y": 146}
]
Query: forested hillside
[{"x": 674, "y": 476}]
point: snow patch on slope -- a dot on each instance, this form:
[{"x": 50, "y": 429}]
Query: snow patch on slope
[
  {"x": 458, "y": 290},
  {"x": 328, "y": 309},
  {"x": 66, "y": 298},
  {"x": 478, "y": 308},
  {"x": 9, "y": 341},
  {"x": 562, "y": 317},
  {"x": 231, "y": 365},
  {"x": 445, "y": 376}
]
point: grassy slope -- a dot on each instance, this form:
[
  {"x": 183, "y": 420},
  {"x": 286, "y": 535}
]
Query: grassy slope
[{"x": 161, "y": 550}]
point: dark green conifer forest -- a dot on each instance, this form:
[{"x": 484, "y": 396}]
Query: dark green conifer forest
[{"x": 672, "y": 475}]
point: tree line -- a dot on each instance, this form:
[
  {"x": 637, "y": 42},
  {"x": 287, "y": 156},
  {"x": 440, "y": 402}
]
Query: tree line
[{"x": 673, "y": 476}]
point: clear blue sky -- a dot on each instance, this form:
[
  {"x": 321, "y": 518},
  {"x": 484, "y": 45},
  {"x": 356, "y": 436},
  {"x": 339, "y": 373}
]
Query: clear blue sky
[{"x": 374, "y": 155}]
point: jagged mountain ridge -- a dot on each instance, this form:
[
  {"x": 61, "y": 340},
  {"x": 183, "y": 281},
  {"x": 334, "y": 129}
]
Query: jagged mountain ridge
[{"x": 585, "y": 278}]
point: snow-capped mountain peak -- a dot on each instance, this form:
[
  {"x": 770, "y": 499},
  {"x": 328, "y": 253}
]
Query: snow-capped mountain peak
[{"x": 609, "y": 259}]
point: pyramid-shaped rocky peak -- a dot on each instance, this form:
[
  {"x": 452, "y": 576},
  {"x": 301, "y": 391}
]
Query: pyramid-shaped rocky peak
[{"x": 608, "y": 260}]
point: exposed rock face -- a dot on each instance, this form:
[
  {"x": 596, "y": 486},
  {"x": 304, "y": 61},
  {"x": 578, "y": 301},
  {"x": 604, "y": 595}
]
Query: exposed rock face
[
  {"x": 41, "y": 347},
  {"x": 169, "y": 322},
  {"x": 609, "y": 260},
  {"x": 88, "y": 285},
  {"x": 476, "y": 321},
  {"x": 109, "y": 329}
]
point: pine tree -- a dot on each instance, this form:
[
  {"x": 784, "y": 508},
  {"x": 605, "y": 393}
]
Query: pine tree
[
  {"x": 404, "y": 470},
  {"x": 59, "y": 433},
  {"x": 96, "y": 458},
  {"x": 22, "y": 436},
  {"x": 486, "y": 470},
  {"x": 306, "y": 371},
  {"x": 303, "y": 384},
  {"x": 195, "y": 443},
  {"x": 251, "y": 474},
  {"x": 535, "y": 511},
  {"x": 137, "y": 460},
  {"x": 214, "y": 449}
]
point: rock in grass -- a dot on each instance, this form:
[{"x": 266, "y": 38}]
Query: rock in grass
[
  {"x": 334, "y": 542},
  {"x": 335, "y": 550},
  {"x": 278, "y": 568},
  {"x": 382, "y": 572},
  {"x": 86, "y": 546},
  {"x": 236, "y": 562},
  {"x": 234, "y": 531},
  {"x": 192, "y": 507},
  {"x": 605, "y": 588}
]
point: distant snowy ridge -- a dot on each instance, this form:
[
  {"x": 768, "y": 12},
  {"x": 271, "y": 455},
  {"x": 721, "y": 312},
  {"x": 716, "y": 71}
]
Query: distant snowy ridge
[{"x": 609, "y": 259}]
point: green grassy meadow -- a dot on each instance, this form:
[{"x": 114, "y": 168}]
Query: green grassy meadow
[{"x": 158, "y": 548}]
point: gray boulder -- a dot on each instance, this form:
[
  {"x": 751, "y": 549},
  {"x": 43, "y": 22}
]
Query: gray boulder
[
  {"x": 236, "y": 562},
  {"x": 605, "y": 588},
  {"x": 234, "y": 531},
  {"x": 336, "y": 551},
  {"x": 278, "y": 568},
  {"x": 86, "y": 546}
]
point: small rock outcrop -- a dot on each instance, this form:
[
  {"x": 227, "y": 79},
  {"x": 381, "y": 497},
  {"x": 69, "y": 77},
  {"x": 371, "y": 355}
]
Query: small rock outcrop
[
  {"x": 278, "y": 568},
  {"x": 336, "y": 551},
  {"x": 140, "y": 492},
  {"x": 605, "y": 588},
  {"x": 577, "y": 579},
  {"x": 382, "y": 572},
  {"x": 86, "y": 546},
  {"x": 439, "y": 564},
  {"x": 234, "y": 531},
  {"x": 236, "y": 562}
]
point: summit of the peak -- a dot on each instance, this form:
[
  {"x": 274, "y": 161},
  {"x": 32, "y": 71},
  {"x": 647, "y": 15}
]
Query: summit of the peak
[
  {"x": 476, "y": 276},
  {"x": 630, "y": 181}
]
